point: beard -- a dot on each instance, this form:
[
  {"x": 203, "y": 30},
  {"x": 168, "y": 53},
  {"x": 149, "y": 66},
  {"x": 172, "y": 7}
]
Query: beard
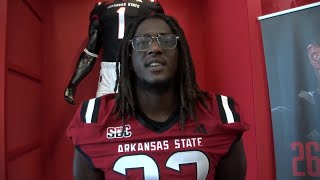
[{"x": 159, "y": 87}]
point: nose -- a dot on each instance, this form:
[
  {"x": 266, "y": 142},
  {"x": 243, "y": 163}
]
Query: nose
[{"x": 155, "y": 48}]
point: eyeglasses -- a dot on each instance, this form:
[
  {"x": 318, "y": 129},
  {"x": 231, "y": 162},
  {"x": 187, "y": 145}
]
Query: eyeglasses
[{"x": 165, "y": 41}]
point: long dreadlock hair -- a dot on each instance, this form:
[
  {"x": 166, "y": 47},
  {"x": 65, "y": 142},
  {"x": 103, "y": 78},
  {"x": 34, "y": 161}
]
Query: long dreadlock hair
[{"x": 189, "y": 90}]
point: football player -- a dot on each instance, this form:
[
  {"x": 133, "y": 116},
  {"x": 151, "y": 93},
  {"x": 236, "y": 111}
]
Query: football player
[{"x": 159, "y": 125}]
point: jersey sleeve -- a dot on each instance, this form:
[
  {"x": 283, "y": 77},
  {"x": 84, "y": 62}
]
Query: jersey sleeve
[
  {"x": 229, "y": 112},
  {"x": 84, "y": 127},
  {"x": 229, "y": 124}
]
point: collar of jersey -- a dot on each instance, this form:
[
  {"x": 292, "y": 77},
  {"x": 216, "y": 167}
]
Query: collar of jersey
[{"x": 155, "y": 126}]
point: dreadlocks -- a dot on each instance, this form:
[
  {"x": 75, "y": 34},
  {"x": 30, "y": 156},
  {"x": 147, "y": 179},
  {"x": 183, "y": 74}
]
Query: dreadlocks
[{"x": 189, "y": 90}]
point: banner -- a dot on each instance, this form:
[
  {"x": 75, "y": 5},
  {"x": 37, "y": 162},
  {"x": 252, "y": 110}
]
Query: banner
[{"x": 291, "y": 42}]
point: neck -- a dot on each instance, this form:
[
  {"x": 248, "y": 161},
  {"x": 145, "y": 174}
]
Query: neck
[{"x": 157, "y": 105}]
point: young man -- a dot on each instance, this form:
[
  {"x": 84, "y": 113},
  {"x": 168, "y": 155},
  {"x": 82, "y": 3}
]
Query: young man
[
  {"x": 159, "y": 125},
  {"x": 108, "y": 20}
]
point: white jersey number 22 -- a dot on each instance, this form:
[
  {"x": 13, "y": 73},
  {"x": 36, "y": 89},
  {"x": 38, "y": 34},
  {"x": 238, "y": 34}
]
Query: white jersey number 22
[{"x": 150, "y": 167}]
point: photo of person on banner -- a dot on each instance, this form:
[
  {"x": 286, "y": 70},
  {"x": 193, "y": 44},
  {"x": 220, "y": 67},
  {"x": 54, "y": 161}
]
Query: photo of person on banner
[
  {"x": 308, "y": 100},
  {"x": 313, "y": 51}
]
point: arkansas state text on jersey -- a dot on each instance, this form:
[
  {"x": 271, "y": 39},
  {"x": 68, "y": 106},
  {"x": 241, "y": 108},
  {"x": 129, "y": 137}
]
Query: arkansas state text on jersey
[{"x": 139, "y": 150}]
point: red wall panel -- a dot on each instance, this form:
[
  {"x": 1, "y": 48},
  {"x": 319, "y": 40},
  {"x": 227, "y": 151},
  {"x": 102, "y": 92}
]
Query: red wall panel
[
  {"x": 188, "y": 15},
  {"x": 60, "y": 162},
  {"x": 3, "y": 28},
  {"x": 24, "y": 123},
  {"x": 24, "y": 34},
  {"x": 65, "y": 28},
  {"x": 23, "y": 91},
  {"x": 228, "y": 64},
  {"x": 264, "y": 137},
  {"x": 27, "y": 167}
]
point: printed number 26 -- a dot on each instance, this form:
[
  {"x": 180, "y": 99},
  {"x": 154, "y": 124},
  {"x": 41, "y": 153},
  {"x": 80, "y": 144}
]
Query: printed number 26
[
  {"x": 312, "y": 161},
  {"x": 150, "y": 167}
]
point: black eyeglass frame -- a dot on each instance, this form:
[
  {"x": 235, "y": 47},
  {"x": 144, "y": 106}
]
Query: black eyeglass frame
[{"x": 152, "y": 38}]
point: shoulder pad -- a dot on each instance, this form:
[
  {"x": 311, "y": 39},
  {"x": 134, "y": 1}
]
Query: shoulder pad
[
  {"x": 90, "y": 110},
  {"x": 97, "y": 9},
  {"x": 154, "y": 6},
  {"x": 227, "y": 109},
  {"x": 105, "y": 2}
]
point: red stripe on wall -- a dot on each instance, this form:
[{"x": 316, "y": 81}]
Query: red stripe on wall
[
  {"x": 3, "y": 20},
  {"x": 265, "y": 153}
]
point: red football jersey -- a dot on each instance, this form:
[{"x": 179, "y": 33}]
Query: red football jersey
[{"x": 141, "y": 151}]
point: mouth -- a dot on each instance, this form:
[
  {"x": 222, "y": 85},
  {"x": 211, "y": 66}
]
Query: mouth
[
  {"x": 316, "y": 65},
  {"x": 155, "y": 62},
  {"x": 316, "y": 60}
]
